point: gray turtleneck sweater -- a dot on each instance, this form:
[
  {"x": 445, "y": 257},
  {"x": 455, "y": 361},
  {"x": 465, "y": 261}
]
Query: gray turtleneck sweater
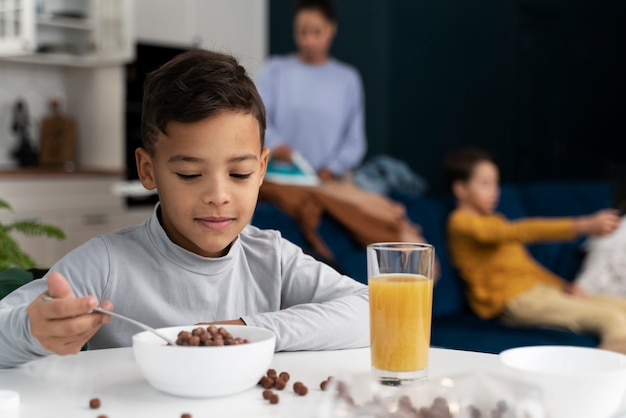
[{"x": 264, "y": 280}]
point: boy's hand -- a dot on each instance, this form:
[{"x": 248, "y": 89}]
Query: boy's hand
[
  {"x": 600, "y": 223},
  {"x": 61, "y": 325}
]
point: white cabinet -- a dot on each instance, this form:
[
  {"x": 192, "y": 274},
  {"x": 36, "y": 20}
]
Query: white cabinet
[
  {"x": 82, "y": 206},
  {"x": 17, "y": 26},
  {"x": 239, "y": 27},
  {"x": 67, "y": 32}
]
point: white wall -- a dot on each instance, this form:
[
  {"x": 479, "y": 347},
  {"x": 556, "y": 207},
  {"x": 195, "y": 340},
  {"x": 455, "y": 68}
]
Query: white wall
[
  {"x": 239, "y": 27},
  {"x": 96, "y": 97}
]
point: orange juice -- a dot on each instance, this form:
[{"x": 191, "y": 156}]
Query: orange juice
[{"x": 400, "y": 318}]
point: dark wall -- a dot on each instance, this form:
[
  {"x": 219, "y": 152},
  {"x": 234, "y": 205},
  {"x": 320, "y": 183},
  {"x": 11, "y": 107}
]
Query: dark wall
[{"x": 539, "y": 83}]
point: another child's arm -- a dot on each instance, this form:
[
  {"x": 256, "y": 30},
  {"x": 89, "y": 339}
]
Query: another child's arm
[
  {"x": 496, "y": 229},
  {"x": 61, "y": 325},
  {"x": 599, "y": 223}
]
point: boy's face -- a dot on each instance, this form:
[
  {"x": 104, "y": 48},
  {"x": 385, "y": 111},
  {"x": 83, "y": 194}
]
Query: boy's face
[
  {"x": 208, "y": 175},
  {"x": 481, "y": 192}
]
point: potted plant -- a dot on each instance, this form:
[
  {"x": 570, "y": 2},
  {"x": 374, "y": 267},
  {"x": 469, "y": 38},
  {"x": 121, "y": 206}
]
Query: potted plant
[{"x": 11, "y": 255}]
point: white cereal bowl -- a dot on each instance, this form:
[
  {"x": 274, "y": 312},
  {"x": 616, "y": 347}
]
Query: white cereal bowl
[
  {"x": 576, "y": 381},
  {"x": 204, "y": 372}
]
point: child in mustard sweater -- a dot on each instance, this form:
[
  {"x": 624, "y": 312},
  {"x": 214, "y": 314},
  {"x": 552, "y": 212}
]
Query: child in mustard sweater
[{"x": 502, "y": 277}]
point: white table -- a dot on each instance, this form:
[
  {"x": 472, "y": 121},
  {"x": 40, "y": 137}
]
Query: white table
[{"x": 62, "y": 386}]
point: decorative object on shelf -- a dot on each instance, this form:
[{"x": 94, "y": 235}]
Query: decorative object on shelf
[
  {"x": 58, "y": 139},
  {"x": 11, "y": 255},
  {"x": 24, "y": 153}
]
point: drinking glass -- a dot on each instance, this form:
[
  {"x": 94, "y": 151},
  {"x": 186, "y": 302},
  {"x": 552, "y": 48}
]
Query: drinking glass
[{"x": 400, "y": 280}]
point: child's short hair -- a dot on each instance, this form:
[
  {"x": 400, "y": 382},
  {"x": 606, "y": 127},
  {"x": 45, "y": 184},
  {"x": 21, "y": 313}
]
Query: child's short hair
[
  {"x": 459, "y": 164},
  {"x": 194, "y": 85},
  {"x": 325, "y": 7}
]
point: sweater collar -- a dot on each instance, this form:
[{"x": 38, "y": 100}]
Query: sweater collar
[{"x": 186, "y": 259}]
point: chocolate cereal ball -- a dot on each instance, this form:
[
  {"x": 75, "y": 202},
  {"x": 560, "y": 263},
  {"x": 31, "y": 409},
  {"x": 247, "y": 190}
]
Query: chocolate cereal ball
[
  {"x": 210, "y": 336},
  {"x": 280, "y": 384},
  {"x": 94, "y": 403},
  {"x": 274, "y": 399},
  {"x": 267, "y": 382},
  {"x": 300, "y": 388}
]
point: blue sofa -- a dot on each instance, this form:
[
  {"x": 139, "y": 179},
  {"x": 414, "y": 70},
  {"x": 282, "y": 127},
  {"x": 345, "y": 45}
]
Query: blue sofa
[{"x": 454, "y": 324}]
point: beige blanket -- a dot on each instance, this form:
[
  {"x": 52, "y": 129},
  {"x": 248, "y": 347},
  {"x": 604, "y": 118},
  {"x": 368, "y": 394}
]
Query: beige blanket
[{"x": 369, "y": 217}]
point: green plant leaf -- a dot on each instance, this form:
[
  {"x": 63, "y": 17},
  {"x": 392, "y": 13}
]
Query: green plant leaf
[
  {"x": 5, "y": 205},
  {"x": 35, "y": 229},
  {"x": 11, "y": 254}
]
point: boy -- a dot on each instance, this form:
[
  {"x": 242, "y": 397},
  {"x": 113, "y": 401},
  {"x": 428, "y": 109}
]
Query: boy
[
  {"x": 503, "y": 279},
  {"x": 195, "y": 259}
]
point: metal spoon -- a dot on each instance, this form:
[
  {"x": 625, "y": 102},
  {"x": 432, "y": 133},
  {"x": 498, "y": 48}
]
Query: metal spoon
[{"x": 125, "y": 318}]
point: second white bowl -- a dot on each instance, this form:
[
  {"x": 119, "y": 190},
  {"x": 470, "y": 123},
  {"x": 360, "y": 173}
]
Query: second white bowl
[{"x": 576, "y": 381}]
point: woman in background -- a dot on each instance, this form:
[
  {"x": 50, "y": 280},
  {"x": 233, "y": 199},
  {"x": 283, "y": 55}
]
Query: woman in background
[{"x": 314, "y": 102}]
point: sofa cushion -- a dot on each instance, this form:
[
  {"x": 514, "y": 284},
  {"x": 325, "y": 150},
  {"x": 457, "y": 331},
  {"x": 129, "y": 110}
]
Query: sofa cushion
[
  {"x": 469, "y": 332},
  {"x": 431, "y": 214},
  {"x": 339, "y": 241},
  {"x": 354, "y": 265},
  {"x": 511, "y": 204},
  {"x": 12, "y": 278},
  {"x": 268, "y": 216},
  {"x": 560, "y": 198}
]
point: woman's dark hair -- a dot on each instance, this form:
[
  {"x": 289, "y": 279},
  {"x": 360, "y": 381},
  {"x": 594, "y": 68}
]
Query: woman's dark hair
[
  {"x": 195, "y": 85},
  {"x": 459, "y": 164},
  {"x": 326, "y": 7}
]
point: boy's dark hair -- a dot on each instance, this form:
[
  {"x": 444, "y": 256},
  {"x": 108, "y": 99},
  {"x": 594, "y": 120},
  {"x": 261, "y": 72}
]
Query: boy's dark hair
[
  {"x": 325, "y": 7},
  {"x": 194, "y": 85},
  {"x": 459, "y": 164}
]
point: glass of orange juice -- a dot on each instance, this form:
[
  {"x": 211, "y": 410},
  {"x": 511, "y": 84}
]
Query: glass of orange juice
[{"x": 400, "y": 280}]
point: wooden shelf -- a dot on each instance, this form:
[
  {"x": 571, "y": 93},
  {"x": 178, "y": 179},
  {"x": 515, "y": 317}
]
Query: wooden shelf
[
  {"x": 70, "y": 60},
  {"x": 38, "y": 172},
  {"x": 65, "y": 22}
]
